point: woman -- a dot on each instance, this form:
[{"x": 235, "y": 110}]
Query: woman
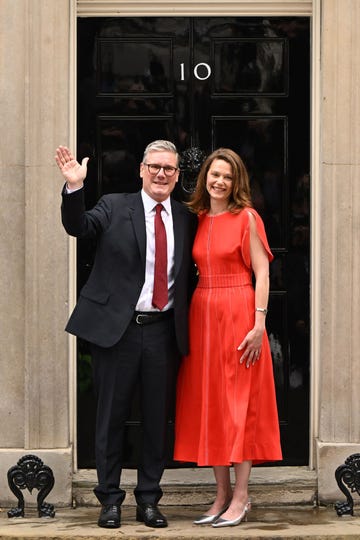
[{"x": 226, "y": 410}]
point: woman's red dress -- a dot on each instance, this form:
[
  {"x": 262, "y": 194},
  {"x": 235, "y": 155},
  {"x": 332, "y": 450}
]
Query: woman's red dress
[{"x": 225, "y": 413}]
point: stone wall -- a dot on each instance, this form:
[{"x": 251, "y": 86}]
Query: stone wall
[
  {"x": 34, "y": 101},
  {"x": 338, "y": 327}
]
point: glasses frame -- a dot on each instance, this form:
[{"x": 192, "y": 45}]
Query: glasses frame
[{"x": 158, "y": 167}]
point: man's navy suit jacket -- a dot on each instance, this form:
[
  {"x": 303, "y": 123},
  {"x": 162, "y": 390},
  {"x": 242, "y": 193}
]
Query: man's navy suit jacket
[{"x": 107, "y": 301}]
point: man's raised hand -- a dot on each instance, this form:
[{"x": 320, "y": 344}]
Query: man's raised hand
[{"x": 72, "y": 171}]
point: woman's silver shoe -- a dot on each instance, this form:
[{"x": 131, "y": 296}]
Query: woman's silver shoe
[
  {"x": 204, "y": 519},
  {"x": 220, "y": 522}
]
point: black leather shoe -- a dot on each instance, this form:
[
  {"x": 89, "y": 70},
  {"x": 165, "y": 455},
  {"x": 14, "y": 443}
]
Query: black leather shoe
[
  {"x": 150, "y": 515},
  {"x": 110, "y": 516}
]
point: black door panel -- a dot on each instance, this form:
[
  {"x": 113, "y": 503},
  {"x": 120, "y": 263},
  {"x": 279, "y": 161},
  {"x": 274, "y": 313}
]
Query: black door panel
[{"x": 242, "y": 83}]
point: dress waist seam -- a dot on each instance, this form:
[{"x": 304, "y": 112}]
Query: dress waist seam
[{"x": 224, "y": 280}]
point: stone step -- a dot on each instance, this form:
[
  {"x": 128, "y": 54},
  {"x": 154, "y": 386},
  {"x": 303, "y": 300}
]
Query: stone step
[
  {"x": 269, "y": 486},
  {"x": 284, "y": 506}
]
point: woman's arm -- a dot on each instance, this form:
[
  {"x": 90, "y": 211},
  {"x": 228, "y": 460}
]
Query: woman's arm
[{"x": 251, "y": 345}]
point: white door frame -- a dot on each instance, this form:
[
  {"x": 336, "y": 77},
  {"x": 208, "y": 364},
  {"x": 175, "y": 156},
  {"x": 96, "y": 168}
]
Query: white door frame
[{"x": 216, "y": 8}]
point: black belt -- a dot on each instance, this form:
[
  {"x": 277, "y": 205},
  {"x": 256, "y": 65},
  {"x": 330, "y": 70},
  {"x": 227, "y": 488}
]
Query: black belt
[{"x": 149, "y": 317}]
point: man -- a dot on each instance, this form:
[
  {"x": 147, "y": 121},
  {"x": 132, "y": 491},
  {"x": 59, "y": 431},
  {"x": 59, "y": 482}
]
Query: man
[{"x": 134, "y": 317}]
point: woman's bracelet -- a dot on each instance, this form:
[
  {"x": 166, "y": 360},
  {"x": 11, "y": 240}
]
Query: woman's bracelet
[{"x": 262, "y": 309}]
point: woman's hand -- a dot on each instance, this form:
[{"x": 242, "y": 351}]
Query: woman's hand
[{"x": 251, "y": 346}]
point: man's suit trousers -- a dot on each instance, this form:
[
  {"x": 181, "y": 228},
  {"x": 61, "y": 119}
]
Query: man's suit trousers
[{"x": 147, "y": 356}]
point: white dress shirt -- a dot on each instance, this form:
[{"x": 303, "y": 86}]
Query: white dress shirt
[{"x": 144, "y": 302}]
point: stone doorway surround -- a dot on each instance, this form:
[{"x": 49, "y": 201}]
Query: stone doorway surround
[{"x": 37, "y": 104}]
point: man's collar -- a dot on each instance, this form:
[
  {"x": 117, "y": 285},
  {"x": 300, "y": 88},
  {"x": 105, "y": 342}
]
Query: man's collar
[{"x": 149, "y": 203}]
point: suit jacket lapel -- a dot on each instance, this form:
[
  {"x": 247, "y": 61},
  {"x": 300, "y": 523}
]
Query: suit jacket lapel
[
  {"x": 137, "y": 215},
  {"x": 178, "y": 224}
]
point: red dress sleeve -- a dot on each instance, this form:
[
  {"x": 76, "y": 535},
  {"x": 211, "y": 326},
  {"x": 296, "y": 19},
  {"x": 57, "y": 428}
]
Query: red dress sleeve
[{"x": 245, "y": 243}]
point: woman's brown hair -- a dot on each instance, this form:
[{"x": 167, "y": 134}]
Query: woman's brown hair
[{"x": 240, "y": 196}]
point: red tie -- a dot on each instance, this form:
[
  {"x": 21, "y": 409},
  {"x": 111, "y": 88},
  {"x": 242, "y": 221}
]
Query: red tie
[{"x": 160, "y": 294}]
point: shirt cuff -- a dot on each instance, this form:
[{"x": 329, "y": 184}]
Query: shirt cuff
[{"x": 68, "y": 190}]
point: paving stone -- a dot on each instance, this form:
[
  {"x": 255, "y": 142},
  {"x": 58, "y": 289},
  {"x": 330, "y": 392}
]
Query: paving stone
[{"x": 275, "y": 523}]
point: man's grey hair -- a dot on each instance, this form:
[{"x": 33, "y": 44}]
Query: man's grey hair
[{"x": 161, "y": 146}]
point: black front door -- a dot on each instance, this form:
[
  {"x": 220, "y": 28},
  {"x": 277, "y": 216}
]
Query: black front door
[{"x": 242, "y": 83}]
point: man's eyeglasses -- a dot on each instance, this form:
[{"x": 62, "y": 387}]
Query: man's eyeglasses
[{"x": 155, "y": 169}]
